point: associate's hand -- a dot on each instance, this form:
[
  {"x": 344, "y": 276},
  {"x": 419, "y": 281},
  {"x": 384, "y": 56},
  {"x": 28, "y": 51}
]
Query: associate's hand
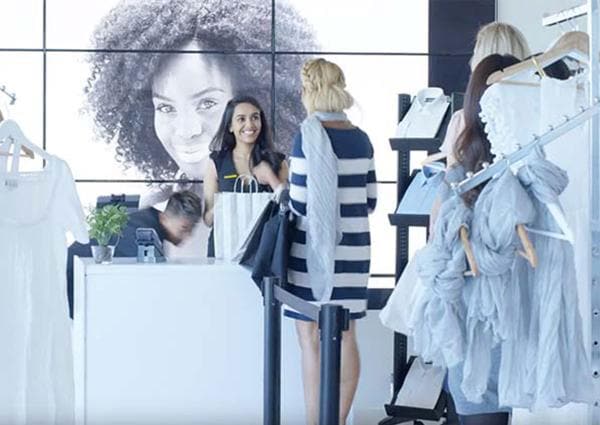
[{"x": 265, "y": 175}]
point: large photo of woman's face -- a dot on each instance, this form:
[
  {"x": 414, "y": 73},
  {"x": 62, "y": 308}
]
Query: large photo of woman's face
[{"x": 132, "y": 91}]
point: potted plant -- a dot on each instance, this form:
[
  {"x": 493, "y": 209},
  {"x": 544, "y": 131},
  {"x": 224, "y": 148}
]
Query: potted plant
[{"x": 106, "y": 224}]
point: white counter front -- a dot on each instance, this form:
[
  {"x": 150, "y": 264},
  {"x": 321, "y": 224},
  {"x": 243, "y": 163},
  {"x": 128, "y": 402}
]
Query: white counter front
[{"x": 182, "y": 343}]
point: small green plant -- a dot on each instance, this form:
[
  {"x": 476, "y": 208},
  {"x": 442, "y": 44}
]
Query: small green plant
[{"x": 107, "y": 222}]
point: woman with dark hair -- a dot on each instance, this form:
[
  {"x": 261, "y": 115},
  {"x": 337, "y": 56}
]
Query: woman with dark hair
[
  {"x": 493, "y": 38},
  {"x": 472, "y": 147},
  {"x": 159, "y": 100},
  {"x": 241, "y": 147}
]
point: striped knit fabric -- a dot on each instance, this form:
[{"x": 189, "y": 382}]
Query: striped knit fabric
[{"x": 357, "y": 196}]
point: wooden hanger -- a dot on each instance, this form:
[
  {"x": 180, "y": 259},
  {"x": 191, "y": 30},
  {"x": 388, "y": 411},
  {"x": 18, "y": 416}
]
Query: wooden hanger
[
  {"x": 464, "y": 238},
  {"x": 529, "y": 251},
  {"x": 530, "y": 255},
  {"x": 26, "y": 152},
  {"x": 571, "y": 44}
]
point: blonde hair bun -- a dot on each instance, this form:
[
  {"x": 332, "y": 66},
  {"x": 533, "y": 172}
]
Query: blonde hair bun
[{"x": 324, "y": 87}]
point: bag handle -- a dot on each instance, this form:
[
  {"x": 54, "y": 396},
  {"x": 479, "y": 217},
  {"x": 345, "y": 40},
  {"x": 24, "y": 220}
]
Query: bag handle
[{"x": 250, "y": 178}]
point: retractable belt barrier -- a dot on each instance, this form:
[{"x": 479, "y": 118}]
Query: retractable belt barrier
[{"x": 332, "y": 319}]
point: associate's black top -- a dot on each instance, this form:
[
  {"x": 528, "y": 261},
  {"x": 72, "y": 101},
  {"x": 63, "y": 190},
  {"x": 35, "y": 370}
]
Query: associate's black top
[
  {"x": 126, "y": 247},
  {"x": 227, "y": 174}
]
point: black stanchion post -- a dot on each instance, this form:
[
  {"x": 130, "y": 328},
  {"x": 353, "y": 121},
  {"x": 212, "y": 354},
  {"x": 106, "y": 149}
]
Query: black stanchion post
[
  {"x": 272, "y": 353},
  {"x": 333, "y": 320}
]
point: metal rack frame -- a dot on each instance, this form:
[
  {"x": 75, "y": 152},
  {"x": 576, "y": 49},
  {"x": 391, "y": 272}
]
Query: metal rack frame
[
  {"x": 565, "y": 15},
  {"x": 502, "y": 163}
]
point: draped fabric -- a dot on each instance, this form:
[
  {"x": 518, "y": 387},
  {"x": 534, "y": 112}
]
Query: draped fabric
[
  {"x": 549, "y": 366},
  {"x": 322, "y": 211},
  {"x": 511, "y": 336},
  {"x": 556, "y": 364},
  {"x": 437, "y": 321},
  {"x": 493, "y": 296}
]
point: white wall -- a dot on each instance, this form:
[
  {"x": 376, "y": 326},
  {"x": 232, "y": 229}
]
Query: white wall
[{"x": 527, "y": 16}]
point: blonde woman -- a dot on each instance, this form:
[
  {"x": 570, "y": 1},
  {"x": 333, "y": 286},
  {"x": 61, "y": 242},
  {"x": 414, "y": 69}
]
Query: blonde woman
[
  {"x": 494, "y": 38},
  {"x": 332, "y": 190}
]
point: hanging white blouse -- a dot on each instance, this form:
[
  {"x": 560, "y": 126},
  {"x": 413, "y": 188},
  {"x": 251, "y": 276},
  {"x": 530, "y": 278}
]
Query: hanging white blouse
[
  {"x": 37, "y": 209},
  {"x": 512, "y": 118}
]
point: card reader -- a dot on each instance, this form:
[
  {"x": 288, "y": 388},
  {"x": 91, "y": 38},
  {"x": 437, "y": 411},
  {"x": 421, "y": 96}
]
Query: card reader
[{"x": 150, "y": 249}]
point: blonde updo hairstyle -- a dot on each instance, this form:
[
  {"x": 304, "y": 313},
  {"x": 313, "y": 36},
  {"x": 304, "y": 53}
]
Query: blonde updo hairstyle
[
  {"x": 499, "y": 38},
  {"x": 324, "y": 87}
]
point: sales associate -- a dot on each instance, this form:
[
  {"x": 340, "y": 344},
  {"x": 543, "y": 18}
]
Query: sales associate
[
  {"x": 175, "y": 224},
  {"x": 241, "y": 147}
]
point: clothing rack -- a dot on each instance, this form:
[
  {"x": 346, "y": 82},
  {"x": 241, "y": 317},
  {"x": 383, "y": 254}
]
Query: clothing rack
[
  {"x": 397, "y": 414},
  {"x": 502, "y": 163},
  {"x": 551, "y": 19},
  {"x": 592, "y": 9}
]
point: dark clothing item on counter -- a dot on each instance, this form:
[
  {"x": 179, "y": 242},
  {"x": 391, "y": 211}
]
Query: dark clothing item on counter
[{"x": 126, "y": 247}]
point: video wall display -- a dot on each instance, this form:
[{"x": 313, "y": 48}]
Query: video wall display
[{"x": 131, "y": 92}]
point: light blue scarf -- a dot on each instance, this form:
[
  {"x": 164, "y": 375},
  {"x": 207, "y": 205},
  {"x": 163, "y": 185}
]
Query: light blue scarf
[{"x": 322, "y": 206}]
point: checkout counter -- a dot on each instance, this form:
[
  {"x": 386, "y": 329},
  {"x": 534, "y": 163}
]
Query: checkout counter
[{"x": 182, "y": 343}]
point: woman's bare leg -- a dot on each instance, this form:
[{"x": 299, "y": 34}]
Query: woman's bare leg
[
  {"x": 308, "y": 336},
  {"x": 350, "y": 371}
]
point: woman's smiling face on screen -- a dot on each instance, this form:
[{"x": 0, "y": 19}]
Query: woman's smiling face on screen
[{"x": 189, "y": 96}]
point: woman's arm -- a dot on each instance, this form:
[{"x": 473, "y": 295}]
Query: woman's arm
[
  {"x": 455, "y": 127},
  {"x": 265, "y": 174},
  {"x": 211, "y": 187},
  {"x": 284, "y": 172}
]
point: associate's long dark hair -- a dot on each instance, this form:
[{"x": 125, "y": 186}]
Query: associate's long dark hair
[
  {"x": 472, "y": 147},
  {"x": 263, "y": 149}
]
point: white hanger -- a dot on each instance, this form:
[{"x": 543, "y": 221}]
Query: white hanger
[
  {"x": 559, "y": 217},
  {"x": 11, "y": 133},
  {"x": 23, "y": 151},
  {"x": 561, "y": 221},
  {"x": 26, "y": 152}
]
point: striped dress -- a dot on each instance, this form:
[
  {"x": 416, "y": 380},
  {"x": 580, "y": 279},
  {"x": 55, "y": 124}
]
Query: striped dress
[{"x": 357, "y": 195}]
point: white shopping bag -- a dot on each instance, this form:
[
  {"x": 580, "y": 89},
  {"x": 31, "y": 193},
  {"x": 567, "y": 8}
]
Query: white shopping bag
[
  {"x": 235, "y": 214},
  {"x": 398, "y": 309}
]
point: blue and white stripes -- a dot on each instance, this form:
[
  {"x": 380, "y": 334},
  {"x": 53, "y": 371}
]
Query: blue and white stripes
[{"x": 357, "y": 196}]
